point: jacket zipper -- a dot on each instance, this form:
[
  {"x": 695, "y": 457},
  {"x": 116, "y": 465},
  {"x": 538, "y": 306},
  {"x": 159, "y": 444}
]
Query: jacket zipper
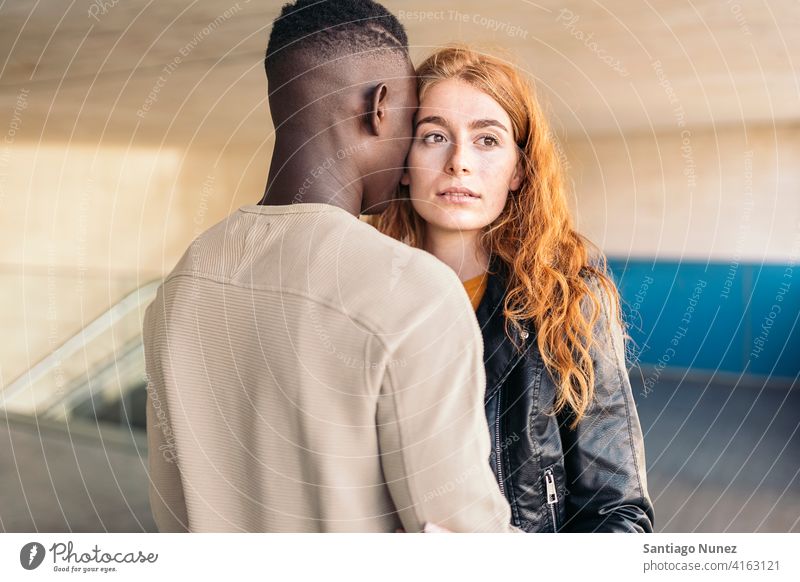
[
  {"x": 498, "y": 449},
  {"x": 552, "y": 496}
]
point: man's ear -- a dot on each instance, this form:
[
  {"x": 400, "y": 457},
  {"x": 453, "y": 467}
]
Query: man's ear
[{"x": 378, "y": 106}]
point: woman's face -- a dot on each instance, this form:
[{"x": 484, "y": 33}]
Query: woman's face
[{"x": 463, "y": 160}]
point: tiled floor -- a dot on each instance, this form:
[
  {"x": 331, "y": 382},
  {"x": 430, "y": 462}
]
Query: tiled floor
[
  {"x": 55, "y": 481},
  {"x": 722, "y": 458}
]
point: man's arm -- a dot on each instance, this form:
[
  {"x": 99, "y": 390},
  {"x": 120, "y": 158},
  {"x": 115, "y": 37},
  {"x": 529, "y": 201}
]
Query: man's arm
[
  {"x": 432, "y": 428},
  {"x": 166, "y": 488}
]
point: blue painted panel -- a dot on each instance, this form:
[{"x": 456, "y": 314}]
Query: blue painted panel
[{"x": 717, "y": 316}]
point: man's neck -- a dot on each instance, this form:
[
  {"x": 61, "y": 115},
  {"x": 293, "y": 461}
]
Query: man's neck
[
  {"x": 459, "y": 250},
  {"x": 312, "y": 177}
]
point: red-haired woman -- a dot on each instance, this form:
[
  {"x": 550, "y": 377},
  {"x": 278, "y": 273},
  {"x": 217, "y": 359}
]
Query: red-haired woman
[{"x": 485, "y": 194}]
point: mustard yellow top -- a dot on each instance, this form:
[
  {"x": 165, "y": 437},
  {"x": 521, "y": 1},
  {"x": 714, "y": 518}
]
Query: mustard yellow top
[{"x": 475, "y": 289}]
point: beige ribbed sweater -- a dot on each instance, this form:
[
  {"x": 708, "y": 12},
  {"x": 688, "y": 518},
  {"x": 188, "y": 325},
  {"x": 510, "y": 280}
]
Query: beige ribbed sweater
[{"x": 309, "y": 374}]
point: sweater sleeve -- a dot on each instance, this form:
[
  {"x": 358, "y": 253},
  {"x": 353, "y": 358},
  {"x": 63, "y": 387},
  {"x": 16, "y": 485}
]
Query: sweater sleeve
[
  {"x": 167, "y": 501},
  {"x": 432, "y": 429}
]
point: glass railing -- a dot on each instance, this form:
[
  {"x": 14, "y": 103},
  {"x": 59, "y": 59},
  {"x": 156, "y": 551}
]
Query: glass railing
[{"x": 96, "y": 375}]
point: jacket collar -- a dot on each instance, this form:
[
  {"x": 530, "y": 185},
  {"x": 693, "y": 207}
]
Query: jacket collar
[{"x": 499, "y": 354}]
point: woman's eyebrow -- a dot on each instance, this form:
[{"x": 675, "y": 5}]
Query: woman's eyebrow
[
  {"x": 477, "y": 124},
  {"x": 481, "y": 123},
  {"x": 435, "y": 119}
]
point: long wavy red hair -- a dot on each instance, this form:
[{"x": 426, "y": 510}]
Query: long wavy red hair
[{"x": 556, "y": 278}]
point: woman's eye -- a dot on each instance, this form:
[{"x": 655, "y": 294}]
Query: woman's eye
[
  {"x": 434, "y": 138},
  {"x": 489, "y": 141}
]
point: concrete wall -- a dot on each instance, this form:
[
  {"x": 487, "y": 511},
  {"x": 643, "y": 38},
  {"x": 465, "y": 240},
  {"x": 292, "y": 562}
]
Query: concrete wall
[
  {"x": 708, "y": 195},
  {"x": 81, "y": 226}
]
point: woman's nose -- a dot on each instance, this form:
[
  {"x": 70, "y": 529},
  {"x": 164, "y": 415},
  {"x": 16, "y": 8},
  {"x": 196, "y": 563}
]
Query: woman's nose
[{"x": 457, "y": 163}]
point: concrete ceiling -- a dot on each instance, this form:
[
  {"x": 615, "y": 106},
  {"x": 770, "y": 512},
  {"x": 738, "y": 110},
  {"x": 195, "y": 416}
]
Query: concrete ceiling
[{"x": 80, "y": 70}]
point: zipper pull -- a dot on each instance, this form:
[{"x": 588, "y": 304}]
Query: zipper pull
[{"x": 552, "y": 496}]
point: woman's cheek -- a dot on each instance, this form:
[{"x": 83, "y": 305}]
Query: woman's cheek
[
  {"x": 429, "y": 212},
  {"x": 500, "y": 204},
  {"x": 423, "y": 181}
]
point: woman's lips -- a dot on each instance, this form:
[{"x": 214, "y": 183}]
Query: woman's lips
[{"x": 458, "y": 195}]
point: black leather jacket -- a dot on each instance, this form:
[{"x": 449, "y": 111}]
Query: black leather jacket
[{"x": 556, "y": 479}]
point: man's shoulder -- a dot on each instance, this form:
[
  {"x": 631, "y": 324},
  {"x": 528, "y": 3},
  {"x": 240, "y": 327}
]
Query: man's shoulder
[
  {"x": 402, "y": 266},
  {"x": 393, "y": 284},
  {"x": 203, "y": 253}
]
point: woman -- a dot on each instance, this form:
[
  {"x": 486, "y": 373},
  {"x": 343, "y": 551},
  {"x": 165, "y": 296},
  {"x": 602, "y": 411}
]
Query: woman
[{"x": 486, "y": 196}]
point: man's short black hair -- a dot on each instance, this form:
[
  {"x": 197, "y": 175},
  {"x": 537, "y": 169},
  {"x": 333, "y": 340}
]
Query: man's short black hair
[{"x": 330, "y": 28}]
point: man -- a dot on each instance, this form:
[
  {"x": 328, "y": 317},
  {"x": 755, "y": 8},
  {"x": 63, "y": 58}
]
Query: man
[{"x": 307, "y": 373}]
